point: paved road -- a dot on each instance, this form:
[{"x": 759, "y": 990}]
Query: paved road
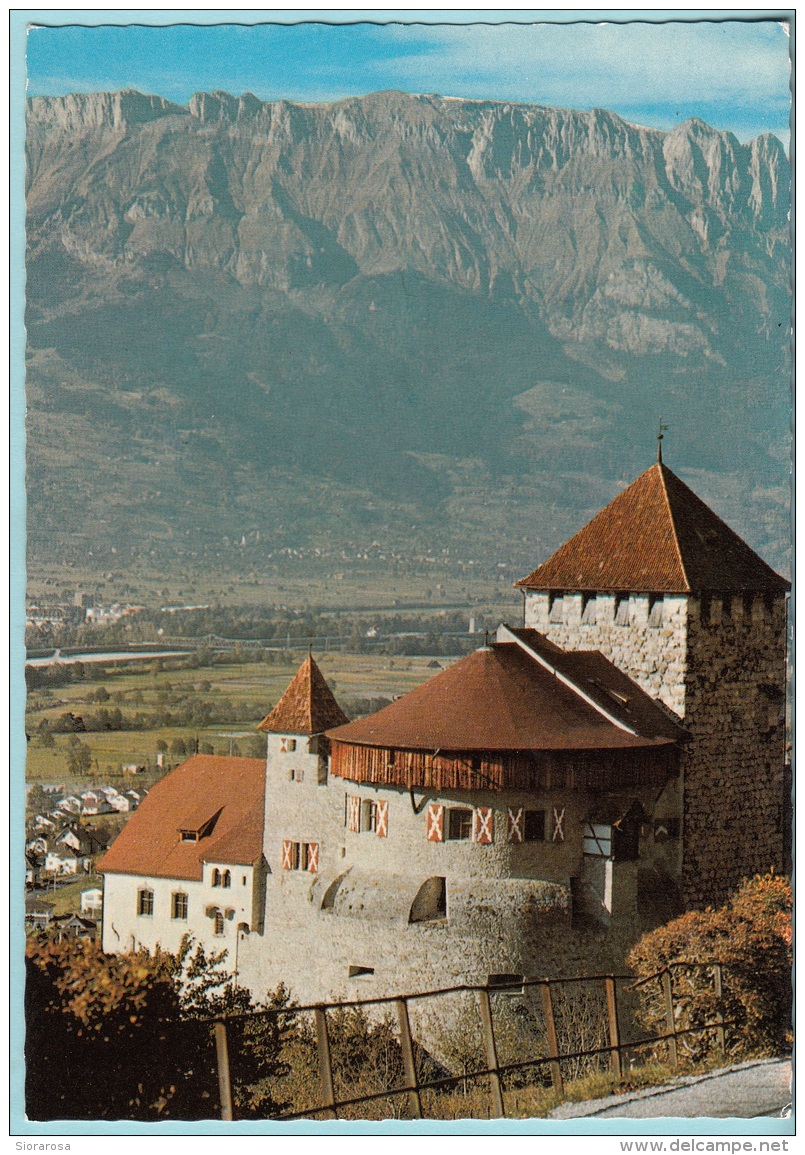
[{"x": 758, "y": 1089}]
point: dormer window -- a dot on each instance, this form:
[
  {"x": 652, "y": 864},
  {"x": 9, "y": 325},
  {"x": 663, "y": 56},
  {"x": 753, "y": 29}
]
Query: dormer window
[{"x": 197, "y": 826}]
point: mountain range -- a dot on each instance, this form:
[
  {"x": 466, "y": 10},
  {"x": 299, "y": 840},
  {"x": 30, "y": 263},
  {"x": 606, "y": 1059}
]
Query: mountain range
[{"x": 405, "y": 321}]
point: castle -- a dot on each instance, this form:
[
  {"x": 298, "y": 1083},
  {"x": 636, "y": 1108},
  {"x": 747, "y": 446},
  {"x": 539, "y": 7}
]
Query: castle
[{"x": 527, "y": 811}]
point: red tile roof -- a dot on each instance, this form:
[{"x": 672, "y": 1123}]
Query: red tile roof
[
  {"x": 190, "y": 796},
  {"x": 501, "y": 698},
  {"x": 307, "y": 706},
  {"x": 656, "y": 537}
]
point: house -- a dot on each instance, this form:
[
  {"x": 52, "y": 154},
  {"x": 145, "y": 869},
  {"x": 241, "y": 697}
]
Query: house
[
  {"x": 75, "y": 926},
  {"x": 189, "y": 859},
  {"x": 33, "y": 868},
  {"x": 38, "y": 913},
  {"x": 92, "y": 902},
  {"x": 63, "y": 859},
  {"x": 527, "y": 811}
]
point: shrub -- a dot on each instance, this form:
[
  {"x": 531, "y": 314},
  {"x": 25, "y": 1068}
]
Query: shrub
[
  {"x": 751, "y": 937},
  {"x": 122, "y": 1036}
]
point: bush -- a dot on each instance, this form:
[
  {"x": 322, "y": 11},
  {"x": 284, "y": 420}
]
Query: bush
[
  {"x": 751, "y": 937},
  {"x": 122, "y": 1036}
]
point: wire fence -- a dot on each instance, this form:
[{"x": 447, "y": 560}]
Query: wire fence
[{"x": 504, "y": 1035}]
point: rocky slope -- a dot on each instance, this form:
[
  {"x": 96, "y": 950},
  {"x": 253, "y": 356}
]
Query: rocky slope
[{"x": 392, "y": 293}]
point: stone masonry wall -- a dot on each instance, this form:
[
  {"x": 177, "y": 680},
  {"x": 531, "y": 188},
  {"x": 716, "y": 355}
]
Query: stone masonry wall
[
  {"x": 721, "y": 667},
  {"x": 654, "y": 656},
  {"x": 509, "y": 905},
  {"x": 733, "y": 768}
]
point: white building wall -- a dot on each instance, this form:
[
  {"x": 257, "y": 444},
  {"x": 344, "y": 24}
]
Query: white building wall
[{"x": 124, "y": 929}]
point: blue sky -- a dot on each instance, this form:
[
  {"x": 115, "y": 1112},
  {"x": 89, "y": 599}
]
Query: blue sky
[{"x": 733, "y": 74}]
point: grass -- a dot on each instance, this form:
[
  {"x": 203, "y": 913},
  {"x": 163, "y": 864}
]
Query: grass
[{"x": 251, "y": 688}]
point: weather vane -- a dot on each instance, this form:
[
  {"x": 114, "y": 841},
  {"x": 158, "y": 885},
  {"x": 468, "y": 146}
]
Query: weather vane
[{"x": 659, "y": 441}]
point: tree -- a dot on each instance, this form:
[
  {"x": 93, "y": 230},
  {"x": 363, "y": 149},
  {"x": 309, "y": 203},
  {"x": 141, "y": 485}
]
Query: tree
[
  {"x": 751, "y": 937},
  {"x": 79, "y": 756},
  {"x": 125, "y": 1036}
]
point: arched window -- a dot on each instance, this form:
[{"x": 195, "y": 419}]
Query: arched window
[
  {"x": 243, "y": 928},
  {"x": 430, "y": 901},
  {"x": 227, "y": 879},
  {"x": 218, "y": 923},
  {"x": 216, "y": 877}
]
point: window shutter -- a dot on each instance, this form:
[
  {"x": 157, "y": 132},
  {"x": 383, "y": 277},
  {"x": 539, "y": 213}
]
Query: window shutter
[
  {"x": 382, "y": 828},
  {"x": 482, "y": 825},
  {"x": 313, "y": 857},
  {"x": 435, "y": 828},
  {"x": 516, "y": 824},
  {"x": 287, "y": 853},
  {"x": 283, "y": 745},
  {"x": 558, "y": 824},
  {"x": 353, "y": 813}
]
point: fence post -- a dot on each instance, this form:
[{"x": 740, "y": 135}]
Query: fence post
[
  {"x": 499, "y": 1110},
  {"x": 670, "y": 1021},
  {"x": 719, "y": 992},
  {"x": 550, "y": 1036},
  {"x": 222, "y": 1057},
  {"x": 409, "y": 1066},
  {"x": 614, "y": 1028},
  {"x": 325, "y": 1064}
]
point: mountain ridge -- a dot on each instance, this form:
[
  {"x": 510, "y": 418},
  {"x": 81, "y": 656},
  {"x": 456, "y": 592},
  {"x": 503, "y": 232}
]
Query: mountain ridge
[{"x": 415, "y": 282}]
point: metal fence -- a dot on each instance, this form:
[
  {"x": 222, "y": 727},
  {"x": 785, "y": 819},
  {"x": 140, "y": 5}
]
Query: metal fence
[{"x": 615, "y": 1046}]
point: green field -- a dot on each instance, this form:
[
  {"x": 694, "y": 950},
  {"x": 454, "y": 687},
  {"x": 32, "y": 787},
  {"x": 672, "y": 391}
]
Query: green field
[{"x": 248, "y": 692}]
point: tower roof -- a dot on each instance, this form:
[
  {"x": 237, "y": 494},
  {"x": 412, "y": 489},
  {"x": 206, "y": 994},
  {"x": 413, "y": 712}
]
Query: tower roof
[
  {"x": 658, "y": 537},
  {"x": 307, "y": 706}
]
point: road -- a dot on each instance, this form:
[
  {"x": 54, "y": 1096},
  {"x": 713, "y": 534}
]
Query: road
[{"x": 757, "y": 1089}]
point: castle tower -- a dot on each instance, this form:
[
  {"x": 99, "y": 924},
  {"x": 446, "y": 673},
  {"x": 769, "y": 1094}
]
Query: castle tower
[
  {"x": 296, "y": 767},
  {"x": 670, "y": 594}
]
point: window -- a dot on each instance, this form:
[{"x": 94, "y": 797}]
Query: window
[
  {"x": 459, "y": 825},
  {"x": 557, "y": 608},
  {"x": 358, "y": 972},
  {"x": 227, "y": 879},
  {"x": 589, "y": 612},
  {"x": 219, "y": 926},
  {"x": 216, "y": 877},
  {"x": 179, "y": 906},
  {"x": 145, "y": 902},
  {"x": 534, "y": 826},
  {"x": 243, "y": 881},
  {"x": 430, "y": 901},
  {"x": 368, "y": 815},
  {"x": 656, "y": 612},
  {"x": 300, "y": 856},
  {"x": 506, "y": 983},
  {"x": 188, "y": 836}
]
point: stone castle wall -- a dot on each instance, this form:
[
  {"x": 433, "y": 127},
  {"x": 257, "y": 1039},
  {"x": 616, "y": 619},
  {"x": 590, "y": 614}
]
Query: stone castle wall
[
  {"x": 733, "y": 768},
  {"x": 720, "y": 665},
  {"x": 645, "y": 639},
  {"x": 509, "y": 906}
]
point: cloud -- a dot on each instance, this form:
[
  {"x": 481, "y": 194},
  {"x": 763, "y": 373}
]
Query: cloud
[{"x": 604, "y": 65}]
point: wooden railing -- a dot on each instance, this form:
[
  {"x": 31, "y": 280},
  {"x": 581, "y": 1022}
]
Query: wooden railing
[{"x": 412, "y": 1087}]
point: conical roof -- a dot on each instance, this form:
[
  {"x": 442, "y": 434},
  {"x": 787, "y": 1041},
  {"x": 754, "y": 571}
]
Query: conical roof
[
  {"x": 656, "y": 537},
  {"x": 502, "y": 698},
  {"x": 307, "y": 706}
]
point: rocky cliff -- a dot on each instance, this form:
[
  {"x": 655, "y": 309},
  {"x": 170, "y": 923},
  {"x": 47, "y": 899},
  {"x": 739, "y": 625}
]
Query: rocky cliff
[{"x": 402, "y": 293}]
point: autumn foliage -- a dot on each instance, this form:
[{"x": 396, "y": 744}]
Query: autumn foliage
[
  {"x": 123, "y": 1036},
  {"x": 751, "y": 938}
]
